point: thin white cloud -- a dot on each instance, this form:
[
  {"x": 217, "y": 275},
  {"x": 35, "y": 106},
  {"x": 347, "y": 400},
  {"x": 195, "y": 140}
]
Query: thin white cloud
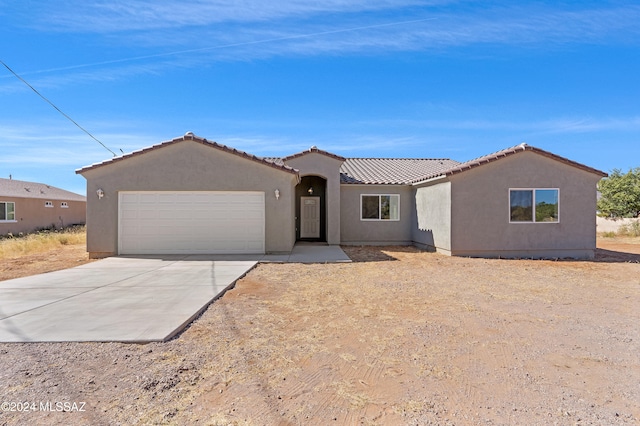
[
  {"x": 343, "y": 143},
  {"x": 461, "y": 22},
  {"x": 295, "y": 29},
  {"x": 144, "y": 15},
  {"x": 555, "y": 125},
  {"x": 61, "y": 146},
  {"x": 591, "y": 125}
]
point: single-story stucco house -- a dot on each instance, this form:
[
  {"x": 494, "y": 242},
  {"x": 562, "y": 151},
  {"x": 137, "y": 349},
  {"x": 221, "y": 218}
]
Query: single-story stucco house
[
  {"x": 29, "y": 206},
  {"x": 191, "y": 195}
]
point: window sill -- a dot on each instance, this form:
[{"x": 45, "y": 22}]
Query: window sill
[
  {"x": 534, "y": 223},
  {"x": 8, "y": 221}
]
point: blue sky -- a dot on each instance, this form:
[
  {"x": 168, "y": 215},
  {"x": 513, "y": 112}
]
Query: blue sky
[{"x": 361, "y": 78}]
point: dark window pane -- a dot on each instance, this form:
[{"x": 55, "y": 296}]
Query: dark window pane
[
  {"x": 3, "y": 211},
  {"x": 370, "y": 207},
  {"x": 521, "y": 202}
]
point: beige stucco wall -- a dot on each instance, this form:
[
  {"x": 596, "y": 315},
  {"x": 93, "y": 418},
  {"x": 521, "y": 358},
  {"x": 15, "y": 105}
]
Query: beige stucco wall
[
  {"x": 316, "y": 164},
  {"x": 356, "y": 231},
  {"x": 432, "y": 224},
  {"x": 31, "y": 214},
  {"x": 480, "y": 210},
  {"x": 187, "y": 166}
]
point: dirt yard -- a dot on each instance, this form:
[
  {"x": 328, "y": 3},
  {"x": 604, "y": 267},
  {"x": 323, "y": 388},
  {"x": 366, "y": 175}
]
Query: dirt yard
[
  {"x": 39, "y": 263},
  {"x": 399, "y": 337}
]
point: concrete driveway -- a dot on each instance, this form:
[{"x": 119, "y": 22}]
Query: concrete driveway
[{"x": 116, "y": 299}]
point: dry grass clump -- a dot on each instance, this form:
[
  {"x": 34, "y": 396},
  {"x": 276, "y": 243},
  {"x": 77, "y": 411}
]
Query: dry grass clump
[
  {"x": 12, "y": 247},
  {"x": 631, "y": 230}
]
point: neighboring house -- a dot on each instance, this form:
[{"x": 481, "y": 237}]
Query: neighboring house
[
  {"x": 29, "y": 206},
  {"x": 190, "y": 195}
]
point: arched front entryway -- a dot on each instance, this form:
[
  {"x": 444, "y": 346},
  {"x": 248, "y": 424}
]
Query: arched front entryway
[{"x": 311, "y": 209}]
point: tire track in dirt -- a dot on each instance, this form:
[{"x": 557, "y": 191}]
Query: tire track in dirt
[
  {"x": 346, "y": 388},
  {"x": 315, "y": 378}
]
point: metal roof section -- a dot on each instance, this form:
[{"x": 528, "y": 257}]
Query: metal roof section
[
  {"x": 391, "y": 171},
  {"x": 189, "y": 136},
  {"x": 11, "y": 188}
]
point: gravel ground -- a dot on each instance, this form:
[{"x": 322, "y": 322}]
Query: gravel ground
[{"x": 398, "y": 337}]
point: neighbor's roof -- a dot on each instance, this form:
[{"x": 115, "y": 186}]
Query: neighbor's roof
[
  {"x": 21, "y": 189},
  {"x": 191, "y": 137},
  {"x": 471, "y": 164},
  {"x": 399, "y": 171}
]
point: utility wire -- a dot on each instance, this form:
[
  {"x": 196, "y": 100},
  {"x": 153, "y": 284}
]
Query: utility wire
[{"x": 56, "y": 108}]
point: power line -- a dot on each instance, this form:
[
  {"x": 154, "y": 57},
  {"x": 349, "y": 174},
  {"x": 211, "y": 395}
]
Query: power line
[{"x": 56, "y": 108}]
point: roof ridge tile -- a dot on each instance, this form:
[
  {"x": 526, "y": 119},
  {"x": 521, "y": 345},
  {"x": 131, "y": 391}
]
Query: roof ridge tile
[{"x": 189, "y": 136}]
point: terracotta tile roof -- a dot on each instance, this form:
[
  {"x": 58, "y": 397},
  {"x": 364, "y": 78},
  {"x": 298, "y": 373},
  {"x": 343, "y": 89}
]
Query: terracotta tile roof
[
  {"x": 398, "y": 171},
  {"x": 191, "y": 137},
  {"x": 20, "y": 189},
  {"x": 467, "y": 165}
]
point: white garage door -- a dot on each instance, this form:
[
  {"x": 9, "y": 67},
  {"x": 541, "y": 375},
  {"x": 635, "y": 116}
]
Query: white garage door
[{"x": 190, "y": 222}]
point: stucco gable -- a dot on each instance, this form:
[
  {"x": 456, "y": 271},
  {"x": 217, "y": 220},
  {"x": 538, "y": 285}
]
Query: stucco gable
[
  {"x": 497, "y": 156},
  {"x": 313, "y": 149},
  {"x": 191, "y": 137}
]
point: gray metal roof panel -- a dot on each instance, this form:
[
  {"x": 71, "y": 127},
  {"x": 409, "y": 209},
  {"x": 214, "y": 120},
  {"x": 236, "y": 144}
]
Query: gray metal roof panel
[{"x": 392, "y": 171}]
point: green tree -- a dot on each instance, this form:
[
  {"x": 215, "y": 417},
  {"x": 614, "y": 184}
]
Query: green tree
[{"x": 620, "y": 194}]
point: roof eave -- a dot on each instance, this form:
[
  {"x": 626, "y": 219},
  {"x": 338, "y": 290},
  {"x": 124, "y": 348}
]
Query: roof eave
[
  {"x": 376, "y": 183},
  {"x": 566, "y": 161},
  {"x": 191, "y": 137},
  {"x": 472, "y": 164},
  {"x": 432, "y": 178}
]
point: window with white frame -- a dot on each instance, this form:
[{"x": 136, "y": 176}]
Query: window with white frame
[
  {"x": 48, "y": 203},
  {"x": 7, "y": 211},
  {"x": 380, "y": 207},
  {"x": 534, "y": 205},
  {"x": 64, "y": 205}
]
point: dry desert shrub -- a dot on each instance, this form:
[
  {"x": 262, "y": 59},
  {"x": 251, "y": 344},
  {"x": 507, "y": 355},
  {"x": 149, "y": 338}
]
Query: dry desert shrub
[
  {"x": 13, "y": 247},
  {"x": 630, "y": 230}
]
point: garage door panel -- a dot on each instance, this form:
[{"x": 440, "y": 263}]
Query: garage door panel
[
  {"x": 254, "y": 215},
  {"x": 128, "y": 214},
  {"x": 147, "y": 199},
  {"x": 128, "y": 197},
  {"x": 200, "y": 215},
  {"x": 191, "y": 222}
]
